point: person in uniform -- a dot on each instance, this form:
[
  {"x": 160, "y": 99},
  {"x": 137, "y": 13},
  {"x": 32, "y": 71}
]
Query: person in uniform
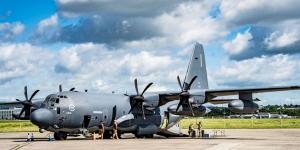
[
  {"x": 199, "y": 127},
  {"x": 101, "y": 131},
  {"x": 190, "y": 129},
  {"x": 28, "y": 137},
  {"x": 115, "y": 130},
  {"x": 94, "y": 136},
  {"x": 32, "y": 137}
]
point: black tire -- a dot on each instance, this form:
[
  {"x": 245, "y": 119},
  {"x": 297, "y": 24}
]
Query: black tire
[
  {"x": 149, "y": 136},
  {"x": 138, "y": 136},
  {"x": 60, "y": 136},
  {"x": 107, "y": 135}
]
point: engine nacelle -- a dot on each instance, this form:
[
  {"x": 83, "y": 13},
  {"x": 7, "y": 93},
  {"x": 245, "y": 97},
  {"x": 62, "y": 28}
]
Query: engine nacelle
[
  {"x": 198, "y": 111},
  {"x": 243, "y": 106}
]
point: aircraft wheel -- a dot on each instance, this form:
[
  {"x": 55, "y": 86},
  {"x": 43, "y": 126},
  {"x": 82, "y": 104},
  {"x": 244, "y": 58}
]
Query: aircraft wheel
[
  {"x": 150, "y": 136},
  {"x": 138, "y": 136},
  {"x": 60, "y": 136},
  {"x": 107, "y": 135}
]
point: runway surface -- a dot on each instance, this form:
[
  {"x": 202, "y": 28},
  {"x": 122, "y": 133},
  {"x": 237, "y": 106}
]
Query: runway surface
[{"x": 287, "y": 139}]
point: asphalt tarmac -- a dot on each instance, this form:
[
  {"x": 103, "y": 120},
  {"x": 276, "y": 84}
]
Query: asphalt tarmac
[{"x": 287, "y": 139}]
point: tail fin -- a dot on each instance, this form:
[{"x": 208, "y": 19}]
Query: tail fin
[{"x": 197, "y": 67}]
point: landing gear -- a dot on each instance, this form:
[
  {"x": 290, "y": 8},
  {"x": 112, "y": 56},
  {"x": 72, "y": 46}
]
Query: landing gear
[{"x": 60, "y": 135}]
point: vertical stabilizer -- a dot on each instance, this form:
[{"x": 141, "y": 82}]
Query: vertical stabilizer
[{"x": 197, "y": 67}]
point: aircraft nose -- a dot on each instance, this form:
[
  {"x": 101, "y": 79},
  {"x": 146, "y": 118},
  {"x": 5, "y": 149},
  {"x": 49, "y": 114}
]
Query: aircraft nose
[{"x": 42, "y": 117}]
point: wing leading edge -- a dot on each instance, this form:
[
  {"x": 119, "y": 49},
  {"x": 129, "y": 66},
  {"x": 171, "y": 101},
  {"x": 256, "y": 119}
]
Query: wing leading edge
[{"x": 227, "y": 92}]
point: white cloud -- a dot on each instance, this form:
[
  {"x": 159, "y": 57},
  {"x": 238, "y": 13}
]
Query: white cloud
[
  {"x": 20, "y": 60},
  {"x": 105, "y": 69},
  {"x": 240, "y": 43},
  {"x": 69, "y": 59},
  {"x": 259, "y": 11},
  {"x": 285, "y": 34},
  {"x": 191, "y": 22},
  {"x": 47, "y": 23},
  {"x": 273, "y": 70},
  {"x": 279, "y": 40},
  {"x": 9, "y": 31}
]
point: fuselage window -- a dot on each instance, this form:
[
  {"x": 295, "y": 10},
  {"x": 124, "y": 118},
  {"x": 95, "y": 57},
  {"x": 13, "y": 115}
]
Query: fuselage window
[{"x": 58, "y": 110}]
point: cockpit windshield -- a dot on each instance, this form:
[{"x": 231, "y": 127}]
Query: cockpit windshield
[{"x": 52, "y": 100}]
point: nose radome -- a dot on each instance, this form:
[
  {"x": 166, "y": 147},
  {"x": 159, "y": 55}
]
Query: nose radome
[{"x": 42, "y": 117}]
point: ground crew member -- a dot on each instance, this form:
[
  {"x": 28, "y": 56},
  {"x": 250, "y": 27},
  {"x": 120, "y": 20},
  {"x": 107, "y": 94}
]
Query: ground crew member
[
  {"x": 199, "y": 127},
  {"x": 101, "y": 131},
  {"x": 94, "y": 136},
  {"x": 191, "y": 130},
  {"x": 28, "y": 137},
  {"x": 115, "y": 130},
  {"x": 32, "y": 137}
]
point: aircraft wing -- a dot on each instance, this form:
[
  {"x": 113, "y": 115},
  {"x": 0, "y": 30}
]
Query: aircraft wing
[
  {"x": 227, "y": 92},
  {"x": 9, "y": 103}
]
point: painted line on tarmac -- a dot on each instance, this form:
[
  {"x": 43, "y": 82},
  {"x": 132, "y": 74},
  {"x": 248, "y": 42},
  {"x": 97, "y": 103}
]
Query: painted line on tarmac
[
  {"x": 223, "y": 146},
  {"x": 19, "y": 146}
]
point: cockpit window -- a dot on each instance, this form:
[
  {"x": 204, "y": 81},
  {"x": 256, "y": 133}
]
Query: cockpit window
[{"x": 62, "y": 96}]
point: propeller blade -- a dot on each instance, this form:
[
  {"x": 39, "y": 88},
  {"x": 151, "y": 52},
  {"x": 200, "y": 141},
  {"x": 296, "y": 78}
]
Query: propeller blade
[
  {"x": 191, "y": 82},
  {"x": 18, "y": 100},
  {"x": 132, "y": 107},
  {"x": 72, "y": 89},
  {"x": 25, "y": 93},
  {"x": 23, "y": 109},
  {"x": 136, "y": 87},
  {"x": 114, "y": 113},
  {"x": 34, "y": 93},
  {"x": 60, "y": 88},
  {"x": 179, "y": 104},
  {"x": 190, "y": 105},
  {"x": 146, "y": 88},
  {"x": 179, "y": 82},
  {"x": 143, "y": 111}
]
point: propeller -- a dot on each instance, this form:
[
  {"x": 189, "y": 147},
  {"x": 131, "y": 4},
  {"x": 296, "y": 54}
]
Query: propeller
[
  {"x": 60, "y": 88},
  {"x": 138, "y": 99},
  {"x": 72, "y": 89},
  {"x": 27, "y": 104},
  {"x": 114, "y": 114},
  {"x": 185, "y": 95}
]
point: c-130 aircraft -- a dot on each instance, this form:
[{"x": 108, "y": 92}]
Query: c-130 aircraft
[{"x": 143, "y": 114}]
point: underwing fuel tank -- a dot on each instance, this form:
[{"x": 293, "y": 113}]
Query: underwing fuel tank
[{"x": 243, "y": 106}]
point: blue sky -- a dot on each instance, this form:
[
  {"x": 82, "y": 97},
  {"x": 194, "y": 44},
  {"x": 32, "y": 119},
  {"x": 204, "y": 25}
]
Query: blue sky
[{"x": 103, "y": 45}]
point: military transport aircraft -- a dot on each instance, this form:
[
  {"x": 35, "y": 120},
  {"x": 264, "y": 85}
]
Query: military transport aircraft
[{"x": 73, "y": 112}]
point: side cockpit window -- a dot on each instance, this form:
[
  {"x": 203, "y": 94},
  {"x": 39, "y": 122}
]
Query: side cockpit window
[{"x": 57, "y": 100}]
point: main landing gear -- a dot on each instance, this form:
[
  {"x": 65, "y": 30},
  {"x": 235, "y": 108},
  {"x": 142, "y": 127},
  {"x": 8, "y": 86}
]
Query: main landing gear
[{"x": 60, "y": 135}]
